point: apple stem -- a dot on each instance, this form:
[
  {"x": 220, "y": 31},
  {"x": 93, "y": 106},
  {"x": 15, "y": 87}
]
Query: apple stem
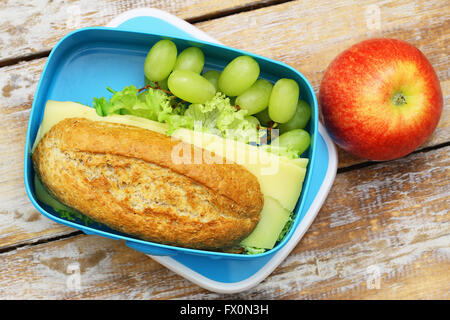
[{"x": 399, "y": 99}]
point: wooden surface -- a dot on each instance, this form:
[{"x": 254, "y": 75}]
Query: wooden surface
[{"x": 383, "y": 232}]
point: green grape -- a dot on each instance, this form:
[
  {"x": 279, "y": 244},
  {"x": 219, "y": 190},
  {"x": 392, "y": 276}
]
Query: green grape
[
  {"x": 160, "y": 60},
  {"x": 238, "y": 76},
  {"x": 263, "y": 117},
  {"x": 192, "y": 59},
  {"x": 300, "y": 118},
  {"x": 190, "y": 86},
  {"x": 283, "y": 100},
  {"x": 213, "y": 77},
  {"x": 252, "y": 120},
  {"x": 255, "y": 98},
  {"x": 297, "y": 140}
]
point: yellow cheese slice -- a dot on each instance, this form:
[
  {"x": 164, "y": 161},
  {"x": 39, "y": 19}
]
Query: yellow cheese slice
[
  {"x": 280, "y": 178},
  {"x": 56, "y": 111},
  {"x": 268, "y": 229}
]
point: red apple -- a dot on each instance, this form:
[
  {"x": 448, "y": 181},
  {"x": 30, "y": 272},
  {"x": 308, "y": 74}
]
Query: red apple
[{"x": 380, "y": 99}]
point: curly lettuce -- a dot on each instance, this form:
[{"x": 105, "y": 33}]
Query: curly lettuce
[
  {"x": 151, "y": 104},
  {"x": 217, "y": 115}
]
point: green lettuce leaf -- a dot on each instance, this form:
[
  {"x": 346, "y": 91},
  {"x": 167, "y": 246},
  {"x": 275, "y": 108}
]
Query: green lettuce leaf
[
  {"x": 73, "y": 215},
  {"x": 287, "y": 227},
  {"x": 253, "y": 250},
  {"x": 152, "y": 104},
  {"x": 217, "y": 116}
]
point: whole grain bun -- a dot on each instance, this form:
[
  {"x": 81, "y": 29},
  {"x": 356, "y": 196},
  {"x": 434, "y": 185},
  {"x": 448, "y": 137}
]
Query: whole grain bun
[{"x": 124, "y": 177}]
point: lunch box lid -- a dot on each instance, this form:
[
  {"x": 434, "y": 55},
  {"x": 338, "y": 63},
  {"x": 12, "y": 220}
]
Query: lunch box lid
[{"x": 220, "y": 272}]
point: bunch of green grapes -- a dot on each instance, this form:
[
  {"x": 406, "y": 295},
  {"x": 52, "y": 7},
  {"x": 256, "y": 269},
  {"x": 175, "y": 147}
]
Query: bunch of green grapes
[
  {"x": 179, "y": 73},
  {"x": 268, "y": 105}
]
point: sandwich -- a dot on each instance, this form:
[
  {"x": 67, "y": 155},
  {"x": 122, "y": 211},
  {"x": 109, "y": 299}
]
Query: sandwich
[
  {"x": 120, "y": 171},
  {"x": 123, "y": 177},
  {"x": 186, "y": 160}
]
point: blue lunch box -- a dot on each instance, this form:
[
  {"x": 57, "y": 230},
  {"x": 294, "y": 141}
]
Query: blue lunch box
[{"x": 86, "y": 61}]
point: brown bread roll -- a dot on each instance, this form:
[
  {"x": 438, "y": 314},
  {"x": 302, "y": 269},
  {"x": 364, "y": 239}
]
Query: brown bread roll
[{"x": 124, "y": 177}]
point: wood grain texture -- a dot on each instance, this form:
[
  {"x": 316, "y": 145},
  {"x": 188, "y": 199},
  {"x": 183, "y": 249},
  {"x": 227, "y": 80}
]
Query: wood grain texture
[
  {"x": 391, "y": 226},
  {"x": 39, "y": 24},
  {"x": 20, "y": 222},
  {"x": 393, "y": 216}
]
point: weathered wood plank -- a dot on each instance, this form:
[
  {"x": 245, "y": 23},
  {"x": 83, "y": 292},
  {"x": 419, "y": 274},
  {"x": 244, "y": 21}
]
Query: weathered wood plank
[
  {"x": 383, "y": 232},
  {"x": 392, "y": 216},
  {"x": 19, "y": 220},
  {"x": 37, "y": 25}
]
